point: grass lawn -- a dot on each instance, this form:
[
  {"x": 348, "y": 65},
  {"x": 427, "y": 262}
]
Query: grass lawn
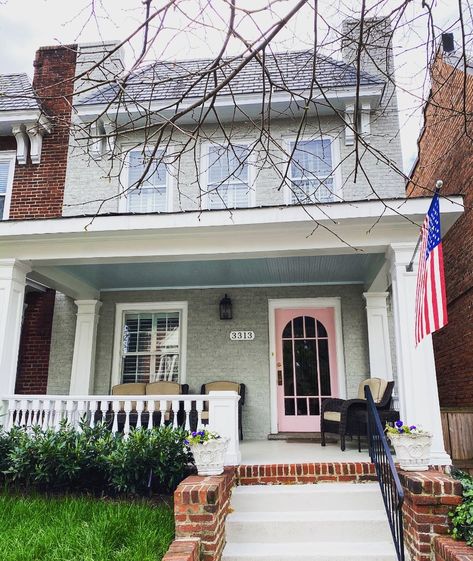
[{"x": 38, "y": 528}]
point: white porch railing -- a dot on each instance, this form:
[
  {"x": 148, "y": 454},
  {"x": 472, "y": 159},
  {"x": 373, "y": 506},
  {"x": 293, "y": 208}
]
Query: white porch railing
[{"x": 217, "y": 411}]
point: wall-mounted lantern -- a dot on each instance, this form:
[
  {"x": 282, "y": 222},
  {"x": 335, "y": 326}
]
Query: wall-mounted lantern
[{"x": 226, "y": 308}]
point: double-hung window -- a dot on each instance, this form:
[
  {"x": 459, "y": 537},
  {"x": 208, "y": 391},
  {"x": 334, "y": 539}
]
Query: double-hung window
[
  {"x": 151, "y": 346},
  {"x": 147, "y": 186},
  {"x": 311, "y": 177},
  {"x": 228, "y": 173},
  {"x": 7, "y": 168}
]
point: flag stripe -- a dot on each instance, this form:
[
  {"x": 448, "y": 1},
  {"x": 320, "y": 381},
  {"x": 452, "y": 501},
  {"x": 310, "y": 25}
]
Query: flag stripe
[{"x": 431, "y": 301}]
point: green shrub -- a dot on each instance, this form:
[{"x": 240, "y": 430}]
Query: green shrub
[
  {"x": 462, "y": 515},
  {"x": 94, "y": 459}
]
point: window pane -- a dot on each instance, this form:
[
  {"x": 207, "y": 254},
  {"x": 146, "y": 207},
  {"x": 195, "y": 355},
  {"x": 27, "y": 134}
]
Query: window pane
[
  {"x": 149, "y": 193},
  {"x": 321, "y": 331},
  {"x": 314, "y": 408},
  {"x": 287, "y": 333},
  {"x": 289, "y": 407},
  {"x": 301, "y": 406},
  {"x": 306, "y": 367},
  {"x": 2, "y": 206},
  {"x": 299, "y": 327},
  {"x": 228, "y": 183},
  {"x": 309, "y": 326},
  {"x": 310, "y": 168},
  {"x": 4, "y": 172},
  {"x": 151, "y": 345}
]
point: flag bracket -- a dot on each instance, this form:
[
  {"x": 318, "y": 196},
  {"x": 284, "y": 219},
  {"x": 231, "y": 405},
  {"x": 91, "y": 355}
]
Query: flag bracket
[{"x": 410, "y": 265}]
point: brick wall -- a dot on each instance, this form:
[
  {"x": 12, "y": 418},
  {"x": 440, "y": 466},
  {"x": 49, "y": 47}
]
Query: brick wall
[
  {"x": 200, "y": 508},
  {"x": 446, "y": 153},
  {"x": 429, "y": 496},
  {"x": 38, "y": 189},
  {"x": 183, "y": 550},
  {"x": 35, "y": 342}
]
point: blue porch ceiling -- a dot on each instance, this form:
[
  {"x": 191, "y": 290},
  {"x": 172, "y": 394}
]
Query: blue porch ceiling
[{"x": 359, "y": 268}]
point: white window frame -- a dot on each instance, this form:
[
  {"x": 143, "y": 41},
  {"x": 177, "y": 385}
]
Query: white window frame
[
  {"x": 9, "y": 157},
  {"x": 171, "y": 180},
  {"x": 151, "y": 307},
  {"x": 205, "y": 172},
  {"x": 335, "y": 153}
]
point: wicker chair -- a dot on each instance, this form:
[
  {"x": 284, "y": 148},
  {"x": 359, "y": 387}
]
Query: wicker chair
[
  {"x": 224, "y": 386},
  {"x": 346, "y": 417}
]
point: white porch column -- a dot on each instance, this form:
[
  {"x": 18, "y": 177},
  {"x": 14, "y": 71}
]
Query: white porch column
[
  {"x": 12, "y": 294},
  {"x": 378, "y": 335},
  {"x": 418, "y": 394},
  {"x": 223, "y": 419},
  {"x": 83, "y": 362}
]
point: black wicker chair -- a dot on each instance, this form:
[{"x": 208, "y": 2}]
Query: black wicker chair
[{"x": 347, "y": 417}]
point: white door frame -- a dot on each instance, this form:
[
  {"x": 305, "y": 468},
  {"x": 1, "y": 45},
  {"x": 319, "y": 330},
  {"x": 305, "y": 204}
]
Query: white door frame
[{"x": 287, "y": 303}]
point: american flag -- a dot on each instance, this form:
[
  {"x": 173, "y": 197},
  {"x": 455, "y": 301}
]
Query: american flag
[{"x": 431, "y": 300}]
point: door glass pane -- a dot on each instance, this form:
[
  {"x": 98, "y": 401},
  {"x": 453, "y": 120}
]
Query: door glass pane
[
  {"x": 288, "y": 368},
  {"x": 299, "y": 327},
  {"x": 309, "y": 326},
  {"x": 324, "y": 366},
  {"x": 321, "y": 331},
  {"x": 287, "y": 333},
  {"x": 289, "y": 406},
  {"x": 314, "y": 408},
  {"x": 301, "y": 406},
  {"x": 306, "y": 367}
]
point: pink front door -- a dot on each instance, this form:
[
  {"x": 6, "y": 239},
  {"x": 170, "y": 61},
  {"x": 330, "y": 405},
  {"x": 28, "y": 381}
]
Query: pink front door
[{"x": 306, "y": 366}]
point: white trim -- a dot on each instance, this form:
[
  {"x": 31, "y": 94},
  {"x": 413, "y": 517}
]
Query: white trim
[
  {"x": 336, "y": 167},
  {"x": 288, "y": 303},
  {"x": 10, "y": 157},
  {"x": 204, "y": 171},
  {"x": 121, "y": 308},
  {"x": 171, "y": 180},
  {"x": 204, "y": 286}
]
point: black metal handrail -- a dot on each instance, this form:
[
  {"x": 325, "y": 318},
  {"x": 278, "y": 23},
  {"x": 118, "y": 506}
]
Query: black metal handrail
[{"x": 391, "y": 488}]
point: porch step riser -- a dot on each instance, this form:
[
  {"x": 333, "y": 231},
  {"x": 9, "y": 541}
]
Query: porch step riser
[
  {"x": 320, "y": 498},
  {"x": 309, "y": 552},
  {"x": 302, "y": 530}
]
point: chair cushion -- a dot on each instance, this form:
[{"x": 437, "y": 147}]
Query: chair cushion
[
  {"x": 377, "y": 386},
  {"x": 222, "y": 387},
  {"x": 163, "y": 388},
  {"x": 332, "y": 416},
  {"x": 129, "y": 389}
]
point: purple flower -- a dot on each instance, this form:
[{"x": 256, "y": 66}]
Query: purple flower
[
  {"x": 194, "y": 433},
  {"x": 186, "y": 442},
  {"x": 398, "y": 424},
  {"x": 401, "y": 430},
  {"x": 412, "y": 427}
]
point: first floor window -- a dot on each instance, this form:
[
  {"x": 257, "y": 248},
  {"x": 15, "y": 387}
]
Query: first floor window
[
  {"x": 311, "y": 172},
  {"x": 7, "y": 167},
  {"x": 147, "y": 187},
  {"x": 151, "y": 346},
  {"x": 228, "y": 182}
]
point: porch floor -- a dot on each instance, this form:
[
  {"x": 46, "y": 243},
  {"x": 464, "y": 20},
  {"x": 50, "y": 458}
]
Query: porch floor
[{"x": 286, "y": 452}]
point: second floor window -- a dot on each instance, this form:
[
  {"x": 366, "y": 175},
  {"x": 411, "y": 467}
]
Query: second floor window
[
  {"x": 311, "y": 172},
  {"x": 147, "y": 192},
  {"x": 228, "y": 183},
  {"x": 7, "y": 167}
]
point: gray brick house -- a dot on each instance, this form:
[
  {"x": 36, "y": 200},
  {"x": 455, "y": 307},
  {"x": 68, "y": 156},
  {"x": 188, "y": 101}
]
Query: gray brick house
[{"x": 123, "y": 236}]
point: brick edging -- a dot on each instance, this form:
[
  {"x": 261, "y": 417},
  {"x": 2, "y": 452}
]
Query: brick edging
[
  {"x": 448, "y": 549},
  {"x": 284, "y": 474},
  {"x": 187, "y": 549}
]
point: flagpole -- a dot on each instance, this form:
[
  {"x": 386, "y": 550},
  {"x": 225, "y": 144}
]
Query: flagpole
[{"x": 410, "y": 266}]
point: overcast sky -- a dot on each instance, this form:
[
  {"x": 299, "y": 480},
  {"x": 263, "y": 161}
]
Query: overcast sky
[{"x": 27, "y": 24}]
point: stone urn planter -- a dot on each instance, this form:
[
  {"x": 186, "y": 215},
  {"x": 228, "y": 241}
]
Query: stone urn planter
[
  {"x": 209, "y": 451},
  {"x": 412, "y": 450}
]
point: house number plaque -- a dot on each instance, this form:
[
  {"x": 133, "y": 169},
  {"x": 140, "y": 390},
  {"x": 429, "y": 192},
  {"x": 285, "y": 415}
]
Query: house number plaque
[{"x": 242, "y": 335}]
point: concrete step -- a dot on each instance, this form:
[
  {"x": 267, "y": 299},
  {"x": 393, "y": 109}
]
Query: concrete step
[
  {"x": 308, "y": 526},
  {"x": 323, "y": 496},
  {"x": 310, "y": 551}
]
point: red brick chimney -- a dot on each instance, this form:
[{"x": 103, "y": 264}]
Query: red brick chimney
[{"x": 38, "y": 189}]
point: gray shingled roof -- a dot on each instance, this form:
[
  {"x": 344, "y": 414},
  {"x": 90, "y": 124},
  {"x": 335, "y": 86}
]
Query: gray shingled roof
[
  {"x": 16, "y": 93},
  {"x": 289, "y": 71}
]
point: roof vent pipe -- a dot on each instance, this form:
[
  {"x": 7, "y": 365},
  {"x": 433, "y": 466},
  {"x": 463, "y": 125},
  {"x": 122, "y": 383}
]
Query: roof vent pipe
[{"x": 448, "y": 44}]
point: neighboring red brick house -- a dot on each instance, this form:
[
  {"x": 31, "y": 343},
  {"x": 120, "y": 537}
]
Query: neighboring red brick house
[{"x": 446, "y": 153}]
